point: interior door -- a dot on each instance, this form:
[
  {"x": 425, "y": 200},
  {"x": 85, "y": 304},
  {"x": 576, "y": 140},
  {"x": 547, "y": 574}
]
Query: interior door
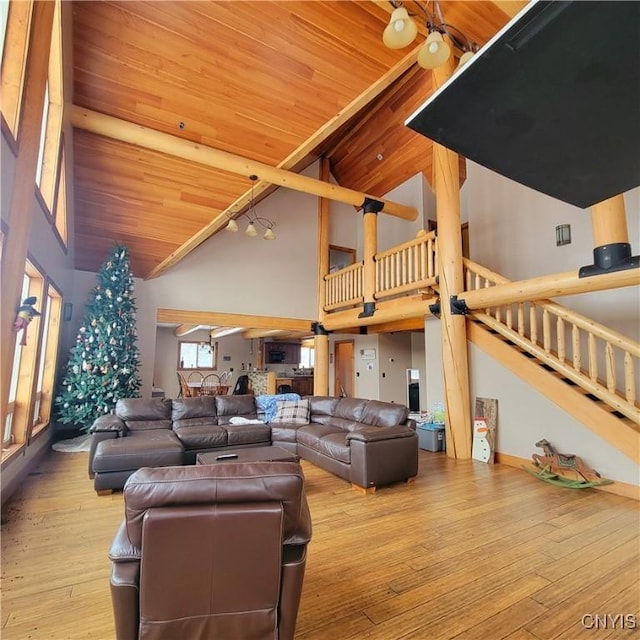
[{"x": 343, "y": 367}]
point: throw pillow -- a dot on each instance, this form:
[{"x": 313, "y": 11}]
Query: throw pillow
[
  {"x": 292, "y": 411},
  {"x": 269, "y": 403}
]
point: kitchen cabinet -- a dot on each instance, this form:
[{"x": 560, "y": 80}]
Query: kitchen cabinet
[
  {"x": 291, "y": 351},
  {"x": 302, "y": 385}
]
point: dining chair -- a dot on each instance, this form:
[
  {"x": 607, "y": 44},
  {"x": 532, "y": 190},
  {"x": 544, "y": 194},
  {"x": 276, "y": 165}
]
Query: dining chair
[
  {"x": 210, "y": 385},
  {"x": 185, "y": 390}
]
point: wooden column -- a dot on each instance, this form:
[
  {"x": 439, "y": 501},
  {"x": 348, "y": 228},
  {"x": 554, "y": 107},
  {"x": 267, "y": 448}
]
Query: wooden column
[
  {"x": 612, "y": 251},
  {"x": 321, "y": 340},
  {"x": 454, "y": 338},
  {"x": 370, "y": 248},
  {"x": 22, "y": 204},
  {"x": 321, "y": 366},
  {"x": 609, "y": 222}
]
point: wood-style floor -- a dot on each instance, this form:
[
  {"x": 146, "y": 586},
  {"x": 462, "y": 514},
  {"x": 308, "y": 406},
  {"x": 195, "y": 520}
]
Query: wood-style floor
[{"x": 467, "y": 551}]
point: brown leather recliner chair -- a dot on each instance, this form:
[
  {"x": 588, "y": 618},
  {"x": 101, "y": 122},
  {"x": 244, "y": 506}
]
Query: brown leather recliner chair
[{"x": 209, "y": 552}]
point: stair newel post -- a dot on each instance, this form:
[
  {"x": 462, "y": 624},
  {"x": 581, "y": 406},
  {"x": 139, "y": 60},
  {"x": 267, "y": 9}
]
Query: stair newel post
[{"x": 454, "y": 338}]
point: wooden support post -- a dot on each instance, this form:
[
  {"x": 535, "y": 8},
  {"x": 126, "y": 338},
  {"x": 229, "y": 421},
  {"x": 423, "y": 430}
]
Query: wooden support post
[
  {"x": 609, "y": 222},
  {"x": 454, "y": 338},
  {"x": 370, "y": 248},
  {"x": 612, "y": 251},
  {"x": 321, "y": 340},
  {"x": 321, "y": 365},
  {"x": 22, "y": 204}
]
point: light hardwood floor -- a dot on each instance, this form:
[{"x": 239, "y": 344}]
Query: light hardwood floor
[{"x": 467, "y": 551}]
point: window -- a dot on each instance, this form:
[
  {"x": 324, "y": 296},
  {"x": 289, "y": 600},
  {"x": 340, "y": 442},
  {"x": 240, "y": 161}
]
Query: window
[
  {"x": 14, "y": 57},
  {"x": 197, "y": 355},
  {"x": 34, "y": 364},
  {"x": 47, "y": 357},
  {"x": 49, "y": 153},
  {"x": 307, "y": 357},
  {"x": 60, "y": 210}
]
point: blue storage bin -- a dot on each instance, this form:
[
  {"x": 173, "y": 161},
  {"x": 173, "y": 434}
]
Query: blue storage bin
[{"x": 431, "y": 436}]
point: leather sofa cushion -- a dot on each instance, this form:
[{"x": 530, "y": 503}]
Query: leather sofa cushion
[
  {"x": 131, "y": 409},
  {"x": 384, "y": 414},
  {"x": 160, "y": 448},
  {"x": 206, "y": 436},
  {"x": 242, "y": 406},
  {"x": 191, "y": 408},
  {"x": 281, "y": 432},
  {"x": 247, "y": 433},
  {"x": 321, "y": 408},
  {"x": 326, "y": 439},
  {"x": 350, "y": 409}
]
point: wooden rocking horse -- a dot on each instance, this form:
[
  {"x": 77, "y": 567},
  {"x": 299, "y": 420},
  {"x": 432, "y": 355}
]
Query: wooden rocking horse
[{"x": 566, "y": 470}]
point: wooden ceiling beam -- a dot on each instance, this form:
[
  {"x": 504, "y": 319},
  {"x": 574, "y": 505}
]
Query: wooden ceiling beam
[
  {"x": 220, "y": 319},
  {"x": 147, "y": 138},
  {"x": 185, "y": 329}
]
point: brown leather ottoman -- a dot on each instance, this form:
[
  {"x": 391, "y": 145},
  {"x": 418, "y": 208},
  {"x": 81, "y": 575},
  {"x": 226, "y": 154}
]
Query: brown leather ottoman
[
  {"x": 250, "y": 454},
  {"x": 115, "y": 460}
]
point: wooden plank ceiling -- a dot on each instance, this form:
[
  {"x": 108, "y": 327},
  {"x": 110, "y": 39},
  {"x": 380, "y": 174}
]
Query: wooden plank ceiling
[{"x": 275, "y": 82}]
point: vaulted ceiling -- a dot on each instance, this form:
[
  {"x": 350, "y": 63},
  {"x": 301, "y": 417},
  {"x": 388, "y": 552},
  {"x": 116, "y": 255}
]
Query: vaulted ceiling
[{"x": 279, "y": 83}]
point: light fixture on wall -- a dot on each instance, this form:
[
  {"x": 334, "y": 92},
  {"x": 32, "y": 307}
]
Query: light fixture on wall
[
  {"x": 402, "y": 30},
  {"x": 563, "y": 234},
  {"x": 253, "y": 218}
]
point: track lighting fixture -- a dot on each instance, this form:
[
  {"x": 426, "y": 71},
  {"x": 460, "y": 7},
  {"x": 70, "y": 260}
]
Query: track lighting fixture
[{"x": 254, "y": 219}]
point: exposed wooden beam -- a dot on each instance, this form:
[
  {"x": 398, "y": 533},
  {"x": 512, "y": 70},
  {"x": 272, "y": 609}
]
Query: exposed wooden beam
[
  {"x": 233, "y": 320},
  {"x": 185, "y": 329},
  {"x": 147, "y": 138}
]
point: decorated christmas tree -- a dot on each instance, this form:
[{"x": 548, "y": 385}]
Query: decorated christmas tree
[{"x": 103, "y": 362}]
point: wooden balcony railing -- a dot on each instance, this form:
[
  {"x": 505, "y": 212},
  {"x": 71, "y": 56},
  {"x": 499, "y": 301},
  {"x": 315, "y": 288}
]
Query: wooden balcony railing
[
  {"x": 344, "y": 288},
  {"x": 408, "y": 267},
  {"x": 599, "y": 360}
]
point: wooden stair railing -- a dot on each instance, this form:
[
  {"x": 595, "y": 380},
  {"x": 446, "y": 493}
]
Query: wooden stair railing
[
  {"x": 595, "y": 358},
  {"x": 598, "y": 360}
]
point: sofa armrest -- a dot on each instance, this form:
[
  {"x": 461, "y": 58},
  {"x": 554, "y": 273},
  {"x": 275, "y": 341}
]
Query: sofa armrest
[
  {"x": 375, "y": 434},
  {"x": 122, "y": 550},
  {"x": 108, "y": 423},
  {"x": 125, "y": 580},
  {"x": 96, "y": 438}
]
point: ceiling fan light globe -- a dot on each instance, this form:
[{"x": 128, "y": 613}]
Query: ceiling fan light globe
[
  {"x": 251, "y": 230},
  {"x": 434, "y": 52},
  {"x": 232, "y": 226},
  {"x": 401, "y": 30},
  {"x": 269, "y": 235}
]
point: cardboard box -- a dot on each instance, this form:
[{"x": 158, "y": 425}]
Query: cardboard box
[{"x": 431, "y": 436}]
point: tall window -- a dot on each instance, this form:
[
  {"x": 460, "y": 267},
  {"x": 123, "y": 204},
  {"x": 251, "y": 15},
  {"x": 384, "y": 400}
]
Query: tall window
[
  {"x": 34, "y": 363},
  {"x": 16, "y": 16},
  {"x": 49, "y": 153}
]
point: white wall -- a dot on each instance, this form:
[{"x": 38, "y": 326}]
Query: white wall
[
  {"x": 525, "y": 416},
  {"x": 512, "y": 232}
]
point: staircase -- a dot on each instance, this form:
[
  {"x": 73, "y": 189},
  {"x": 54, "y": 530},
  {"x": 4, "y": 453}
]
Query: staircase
[{"x": 585, "y": 368}]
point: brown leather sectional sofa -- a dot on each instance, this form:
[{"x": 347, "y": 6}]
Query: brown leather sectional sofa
[{"x": 366, "y": 442}]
